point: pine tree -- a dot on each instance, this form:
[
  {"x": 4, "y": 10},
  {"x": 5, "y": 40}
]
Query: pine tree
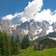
[
  {"x": 5, "y": 44},
  {"x": 17, "y": 45},
  {"x": 25, "y": 43},
  {"x": 1, "y": 45},
  {"x": 12, "y": 45}
]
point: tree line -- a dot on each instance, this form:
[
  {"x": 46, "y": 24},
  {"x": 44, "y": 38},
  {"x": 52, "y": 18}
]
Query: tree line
[{"x": 12, "y": 45}]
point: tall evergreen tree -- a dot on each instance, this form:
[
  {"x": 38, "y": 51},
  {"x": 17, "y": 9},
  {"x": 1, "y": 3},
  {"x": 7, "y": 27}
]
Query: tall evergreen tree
[
  {"x": 25, "y": 43},
  {"x": 17, "y": 45}
]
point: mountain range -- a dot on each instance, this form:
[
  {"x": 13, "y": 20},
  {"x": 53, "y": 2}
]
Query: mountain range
[{"x": 32, "y": 28}]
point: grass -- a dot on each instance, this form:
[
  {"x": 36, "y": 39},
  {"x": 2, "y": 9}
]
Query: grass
[{"x": 45, "y": 52}]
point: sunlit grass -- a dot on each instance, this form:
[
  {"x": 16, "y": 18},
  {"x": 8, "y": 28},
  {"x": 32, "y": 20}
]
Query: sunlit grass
[{"x": 45, "y": 52}]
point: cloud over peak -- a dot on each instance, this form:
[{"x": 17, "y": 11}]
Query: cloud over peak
[{"x": 32, "y": 12}]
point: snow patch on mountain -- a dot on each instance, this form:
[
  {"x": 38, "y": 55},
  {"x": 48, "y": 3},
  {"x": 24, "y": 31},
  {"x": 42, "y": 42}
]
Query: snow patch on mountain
[{"x": 49, "y": 30}]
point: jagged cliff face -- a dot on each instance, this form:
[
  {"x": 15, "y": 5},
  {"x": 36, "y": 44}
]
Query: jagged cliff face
[{"x": 32, "y": 28}]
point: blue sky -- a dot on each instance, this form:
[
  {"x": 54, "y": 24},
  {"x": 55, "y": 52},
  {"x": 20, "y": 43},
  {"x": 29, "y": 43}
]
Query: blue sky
[
  {"x": 51, "y": 4},
  {"x": 12, "y": 6}
]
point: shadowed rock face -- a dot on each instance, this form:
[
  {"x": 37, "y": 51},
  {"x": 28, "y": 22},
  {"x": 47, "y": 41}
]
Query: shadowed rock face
[{"x": 45, "y": 44}]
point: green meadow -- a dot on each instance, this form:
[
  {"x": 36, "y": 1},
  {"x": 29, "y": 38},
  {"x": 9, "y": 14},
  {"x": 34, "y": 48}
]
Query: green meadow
[{"x": 45, "y": 52}]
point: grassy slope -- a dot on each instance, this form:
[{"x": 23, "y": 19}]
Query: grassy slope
[{"x": 31, "y": 52}]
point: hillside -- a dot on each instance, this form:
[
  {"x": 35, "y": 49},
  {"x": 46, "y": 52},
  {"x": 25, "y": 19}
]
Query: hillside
[{"x": 45, "y": 52}]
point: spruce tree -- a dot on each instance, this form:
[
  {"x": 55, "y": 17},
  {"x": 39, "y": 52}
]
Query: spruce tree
[{"x": 25, "y": 43}]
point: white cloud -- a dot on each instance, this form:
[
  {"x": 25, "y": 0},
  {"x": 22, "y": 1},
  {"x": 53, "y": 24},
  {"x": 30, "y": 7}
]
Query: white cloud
[
  {"x": 32, "y": 12},
  {"x": 45, "y": 15},
  {"x": 32, "y": 8},
  {"x": 10, "y": 16}
]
